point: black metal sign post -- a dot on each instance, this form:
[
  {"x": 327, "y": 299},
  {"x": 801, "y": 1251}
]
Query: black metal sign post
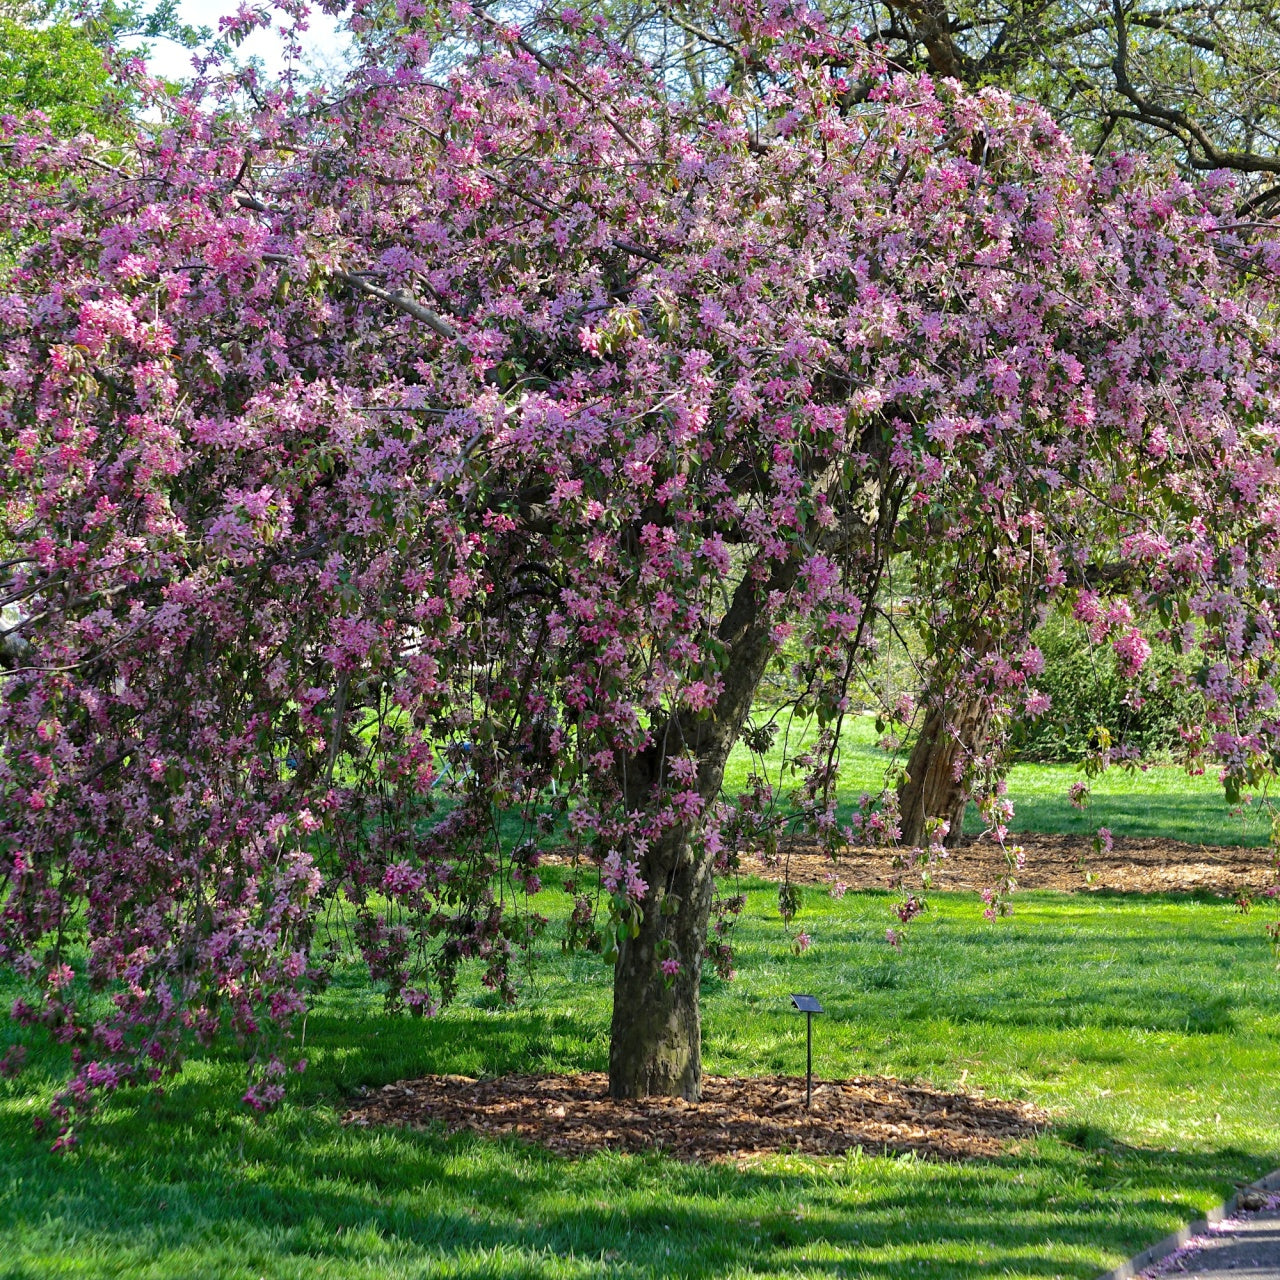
[{"x": 808, "y": 1005}]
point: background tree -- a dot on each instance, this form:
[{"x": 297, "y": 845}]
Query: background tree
[
  {"x": 57, "y": 70},
  {"x": 53, "y": 60}
]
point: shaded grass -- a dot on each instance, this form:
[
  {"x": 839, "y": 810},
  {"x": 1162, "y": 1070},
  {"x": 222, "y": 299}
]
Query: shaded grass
[
  {"x": 1162, "y": 801},
  {"x": 1147, "y": 1024}
]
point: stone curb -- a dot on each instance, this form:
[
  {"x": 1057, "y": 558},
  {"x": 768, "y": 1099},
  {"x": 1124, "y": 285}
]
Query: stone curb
[{"x": 1163, "y": 1248}]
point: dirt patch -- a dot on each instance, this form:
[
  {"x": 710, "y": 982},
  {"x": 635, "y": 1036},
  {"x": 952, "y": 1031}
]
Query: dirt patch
[
  {"x": 1134, "y": 865},
  {"x": 737, "y": 1119}
]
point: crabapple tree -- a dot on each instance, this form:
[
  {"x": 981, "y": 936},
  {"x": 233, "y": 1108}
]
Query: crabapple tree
[{"x": 504, "y": 415}]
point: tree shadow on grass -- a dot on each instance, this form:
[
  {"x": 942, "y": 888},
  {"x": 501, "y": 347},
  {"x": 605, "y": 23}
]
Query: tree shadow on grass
[
  {"x": 341, "y": 1202},
  {"x": 186, "y": 1186}
]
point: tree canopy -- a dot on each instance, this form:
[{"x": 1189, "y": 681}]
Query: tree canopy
[{"x": 510, "y": 419}]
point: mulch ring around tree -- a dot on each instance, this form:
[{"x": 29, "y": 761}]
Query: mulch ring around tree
[
  {"x": 736, "y": 1120},
  {"x": 1135, "y": 865}
]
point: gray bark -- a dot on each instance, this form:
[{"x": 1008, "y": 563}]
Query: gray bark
[{"x": 656, "y": 1036}]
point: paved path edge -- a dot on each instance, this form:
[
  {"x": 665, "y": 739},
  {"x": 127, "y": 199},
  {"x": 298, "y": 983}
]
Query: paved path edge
[{"x": 1163, "y": 1248}]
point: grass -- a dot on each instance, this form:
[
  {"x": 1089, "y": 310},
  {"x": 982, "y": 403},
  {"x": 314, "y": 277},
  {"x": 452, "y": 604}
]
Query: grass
[
  {"x": 1148, "y": 1026},
  {"x": 1162, "y": 801}
]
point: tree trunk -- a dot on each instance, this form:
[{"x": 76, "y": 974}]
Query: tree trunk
[
  {"x": 931, "y": 789},
  {"x": 656, "y": 1036}
]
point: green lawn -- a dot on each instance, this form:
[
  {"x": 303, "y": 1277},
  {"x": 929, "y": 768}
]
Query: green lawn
[
  {"x": 1163, "y": 801},
  {"x": 1148, "y": 1026}
]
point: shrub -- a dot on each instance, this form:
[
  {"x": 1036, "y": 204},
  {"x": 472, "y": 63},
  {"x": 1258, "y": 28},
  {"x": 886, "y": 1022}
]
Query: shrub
[{"x": 1142, "y": 714}]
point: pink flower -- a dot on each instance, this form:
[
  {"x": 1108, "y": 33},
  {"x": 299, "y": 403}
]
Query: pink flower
[
  {"x": 1031, "y": 660},
  {"x": 636, "y": 887},
  {"x": 910, "y": 908},
  {"x": 1037, "y": 704},
  {"x": 60, "y": 977},
  {"x": 894, "y": 938},
  {"x": 1088, "y": 608},
  {"x": 611, "y": 871},
  {"x": 670, "y": 968},
  {"x": 1133, "y": 651}
]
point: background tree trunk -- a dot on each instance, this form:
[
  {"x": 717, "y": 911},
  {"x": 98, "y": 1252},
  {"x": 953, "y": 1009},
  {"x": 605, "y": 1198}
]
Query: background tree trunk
[{"x": 930, "y": 789}]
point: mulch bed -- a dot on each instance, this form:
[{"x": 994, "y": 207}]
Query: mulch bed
[
  {"x": 737, "y": 1119},
  {"x": 1134, "y": 865}
]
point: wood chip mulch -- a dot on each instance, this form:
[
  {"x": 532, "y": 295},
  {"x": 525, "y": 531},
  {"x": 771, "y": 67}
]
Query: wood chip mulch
[
  {"x": 737, "y": 1119},
  {"x": 1134, "y": 865}
]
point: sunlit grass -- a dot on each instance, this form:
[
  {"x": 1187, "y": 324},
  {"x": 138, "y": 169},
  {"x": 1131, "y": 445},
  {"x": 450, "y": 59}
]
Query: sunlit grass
[{"x": 1160, "y": 801}]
